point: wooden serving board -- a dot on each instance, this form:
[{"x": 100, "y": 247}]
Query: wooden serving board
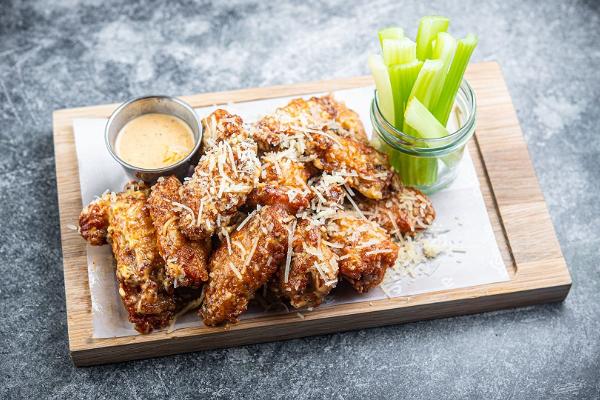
[{"x": 515, "y": 204}]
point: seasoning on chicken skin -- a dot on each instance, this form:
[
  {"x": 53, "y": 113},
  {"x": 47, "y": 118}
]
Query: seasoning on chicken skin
[
  {"x": 221, "y": 182},
  {"x": 237, "y": 270},
  {"x": 186, "y": 261},
  {"x": 283, "y": 181},
  {"x": 405, "y": 211},
  {"x": 367, "y": 250},
  {"x": 310, "y": 127},
  {"x": 313, "y": 270},
  {"x": 143, "y": 285}
]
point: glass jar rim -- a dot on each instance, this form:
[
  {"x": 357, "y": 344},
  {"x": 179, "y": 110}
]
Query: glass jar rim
[{"x": 410, "y": 144}]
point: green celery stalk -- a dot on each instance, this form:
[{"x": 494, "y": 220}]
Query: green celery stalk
[
  {"x": 415, "y": 171},
  {"x": 402, "y": 79},
  {"x": 429, "y": 27},
  {"x": 419, "y": 122},
  {"x": 419, "y": 118},
  {"x": 427, "y": 79},
  {"x": 392, "y": 32},
  {"x": 464, "y": 50},
  {"x": 391, "y": 49},
  {"x": 384, "y": 88},
  {"x": 407, "y": 51},
  {"x": 443, "y": 50}
]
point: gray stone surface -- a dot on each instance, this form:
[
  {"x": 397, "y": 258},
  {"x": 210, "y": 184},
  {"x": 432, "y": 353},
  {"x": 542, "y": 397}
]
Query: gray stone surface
[{"x": 73, "y": 53}]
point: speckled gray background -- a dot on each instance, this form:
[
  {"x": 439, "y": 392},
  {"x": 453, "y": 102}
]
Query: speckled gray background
[{"x": 75, "y": 53}]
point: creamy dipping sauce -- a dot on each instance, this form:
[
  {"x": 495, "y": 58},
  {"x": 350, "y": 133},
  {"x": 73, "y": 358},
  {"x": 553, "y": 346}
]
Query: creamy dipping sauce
[{"x": 154, "y": 141}]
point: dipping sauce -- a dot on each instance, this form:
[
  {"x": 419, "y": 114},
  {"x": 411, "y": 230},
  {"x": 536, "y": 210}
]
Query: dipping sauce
[{"x": 154, "y": 141}]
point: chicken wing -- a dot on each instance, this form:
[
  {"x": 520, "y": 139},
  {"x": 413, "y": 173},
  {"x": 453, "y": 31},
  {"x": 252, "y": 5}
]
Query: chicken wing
[
  {"x": 366, "y": 250},
  {"x": 239, "y": 267},
  {"x": 221, "y": 182},
  {"x": 278, "y": 130},
  {"x": 283, "y": 181},
  {"x": 313, "y": 269},
  {"x": 405, "y": 211},
  {"x": 311, "y": 128},
  {"x": 143, "y": 285},
  {"x": 93, "y": 221},
  {"x": 219, "y": 126},
  {"x": 186, "y": 261}
]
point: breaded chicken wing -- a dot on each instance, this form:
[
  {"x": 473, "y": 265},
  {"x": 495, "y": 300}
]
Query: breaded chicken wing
[
  {"x": 313, "y": 270},
  {"x": 275, "y": 131},
  {"x": 221, "y": 182},
  {"x": 405, "y": 211},
  {"x": 93, "y": 221},
  {"x": 364, "y": 168},
  {"x": 367, "y": 250},
  {"x": 143, "y": 285},
  {"x": 283, "y": 181},
  {"x": 186, "y": 261},
  {"x": 219, "y": 126},
  {"x": 239, "y": 267},
  {"x": 311, "y": 128}
]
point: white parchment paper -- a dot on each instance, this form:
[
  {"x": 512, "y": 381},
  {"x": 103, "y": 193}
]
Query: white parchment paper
[{"x": 470, "y": 257}]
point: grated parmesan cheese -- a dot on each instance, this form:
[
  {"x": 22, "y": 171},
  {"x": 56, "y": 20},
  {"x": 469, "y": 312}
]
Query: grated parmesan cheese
[
  {"x": 290, "y": 250},
  {"x": 235, "y": 271}
]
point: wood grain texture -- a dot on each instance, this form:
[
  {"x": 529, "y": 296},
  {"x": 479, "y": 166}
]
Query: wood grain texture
[{"x": 510, "y": 189}]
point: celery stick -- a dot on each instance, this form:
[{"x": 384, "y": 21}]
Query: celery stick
[
  {"x": 418, "y": 117},
  {"x": 416, "y": 171},
  {"x": 390, "y": 49},
  {"x": 382, "y": 83},
  {"x": 424, "y": 85},
  {"x": 429, "y": 27},
  {"x": 402, "y": 79},
  {"x": 390, "y": 33},
  {"x": 407, "y": 51},
  {"x": 420, "y": 123},
  {"x": 398, "y": 51},
  {"x": 464, "y": 49},
  {"x": 443, "y": 50}
]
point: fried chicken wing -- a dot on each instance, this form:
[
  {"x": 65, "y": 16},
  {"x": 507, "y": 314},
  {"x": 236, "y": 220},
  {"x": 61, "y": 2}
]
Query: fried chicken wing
[
  {"x": 143, "y": 285},
  {"x": 93, "y": 221},
  {"x": 239, "y": 267},
  {"x": 313, "y": 269},
  {"x": 335, "y": 147},
  {"x": 221, "y": 182},
  {"x": 364, "y": 168},
  {"x": 186, "y": 261},
  {"x": 283, "y": 181},
  {"x": 219, "y": 126},
  {"x": 405, "y": 211},
  {"x": 276, "y": 131},
  {"x": 366, "y": 250}
]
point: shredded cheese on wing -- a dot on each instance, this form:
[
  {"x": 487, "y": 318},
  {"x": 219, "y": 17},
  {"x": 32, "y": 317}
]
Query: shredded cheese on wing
[
  {"x": 290, "y": 251},
  {"x": 235, "y": 271},
  {"x": 252, "y": 250},
  {"x": 186, "y": 208}
]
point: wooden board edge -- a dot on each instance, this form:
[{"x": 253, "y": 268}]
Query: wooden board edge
[{"x": 394, "y": 316}]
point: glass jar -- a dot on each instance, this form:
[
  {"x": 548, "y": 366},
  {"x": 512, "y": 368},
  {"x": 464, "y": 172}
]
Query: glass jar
[{"x": 427, "y": 164}]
